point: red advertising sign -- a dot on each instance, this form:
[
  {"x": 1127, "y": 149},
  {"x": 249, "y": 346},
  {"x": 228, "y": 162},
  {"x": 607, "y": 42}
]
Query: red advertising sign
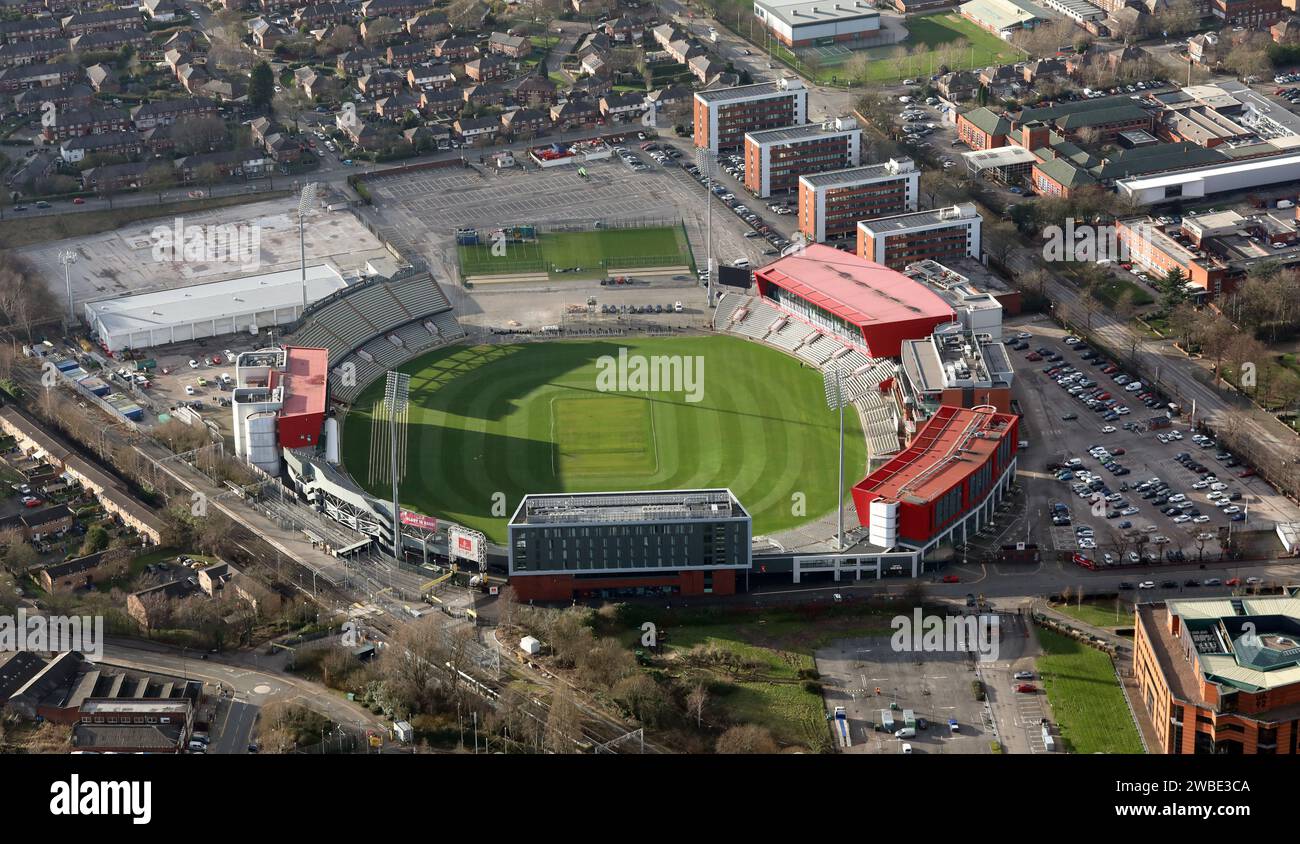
[{"x": 419, "y": 520}]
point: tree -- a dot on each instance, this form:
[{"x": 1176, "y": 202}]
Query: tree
[
  {"x": 261, "y": 86},
  {"x": 563, "y": 724},
  {"x": 1179, "y": 17},
  {"x": 381, "y": 30},
  {"x": 1000, "y": 238},
  {"x": 747, "y": 739},
  {"x": 198, "y": 134},
  {"x": 696, "y": 700},
  {"x": 96, "y": 540},
  {"x": 1173, "y": 289}
]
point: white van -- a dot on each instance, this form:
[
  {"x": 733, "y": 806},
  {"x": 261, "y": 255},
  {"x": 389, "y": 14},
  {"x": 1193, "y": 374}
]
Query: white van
[
  {"x": 741, "y": 263},
  {"x": 906, "y": 732}
]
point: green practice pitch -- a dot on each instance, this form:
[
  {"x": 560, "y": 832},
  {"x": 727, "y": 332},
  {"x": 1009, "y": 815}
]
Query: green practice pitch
[
  {"x": 488, "y": 424},
  {"x": 597, "y": 253}
]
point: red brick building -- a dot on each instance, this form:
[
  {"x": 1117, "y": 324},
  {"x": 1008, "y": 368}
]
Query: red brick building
[
  {"x": 831, "y": 204},
  {"x": 724, "y": 115},
  {"x": 1221, "y": 675}
]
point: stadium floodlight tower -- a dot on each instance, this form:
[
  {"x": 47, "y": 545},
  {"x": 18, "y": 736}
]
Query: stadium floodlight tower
[
  {"x": 67, "y": 258},
  {"x": 397, "y": 392},
  {"x": 304, "y": 202},
  {"x": 707, "y": 161},
  {"x": 833, "y": 381}
]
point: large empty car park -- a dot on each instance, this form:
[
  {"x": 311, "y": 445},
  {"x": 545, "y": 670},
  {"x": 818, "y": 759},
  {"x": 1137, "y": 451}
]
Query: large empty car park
[
  {"x": 1095, "y": 477},
  {"x": 423, "y": 210}
]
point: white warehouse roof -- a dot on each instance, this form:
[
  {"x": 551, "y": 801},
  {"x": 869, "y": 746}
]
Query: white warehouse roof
[
  {"x": 1222, "y": 177},
  {"x": 205, "y": 310}
]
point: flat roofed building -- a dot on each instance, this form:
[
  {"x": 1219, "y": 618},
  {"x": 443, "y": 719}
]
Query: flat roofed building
[
  {"x": 939, "y": 234},
  {"x": 278, "y": 402},
  {"x": 238, "y": 305},
  {"x": 1207, "y": 181},
  {"x": 1221, "y": 675},
  {"x": 945, "y": 484},
  {"x": 724, "y": 115},
  {"x": 975, "y": 295},
  {"x": 689, "y": 542},
  {"x": 953, "y": 367},
  {"x": 1004, "y": 17},
  {"x": 802, "y": 23},
  {"x": 776, "y": 158},
  {"x": 858, "y": 301},
  {"x": 830, "y": 204}
]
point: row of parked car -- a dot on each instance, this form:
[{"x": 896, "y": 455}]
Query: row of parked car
[{"x": 760, "y": 227}]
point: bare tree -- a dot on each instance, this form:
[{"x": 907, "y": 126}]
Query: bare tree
[
  {"x": 563, "y": 724},
  {"x": 696, "y": 700},
  {"x": 747, "y": 739}
]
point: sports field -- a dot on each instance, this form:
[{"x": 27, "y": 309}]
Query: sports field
[
  {"x": 494, "y": 421},
  {"x": 589, "y": 254},
  {"x": 932, "y": 41}
]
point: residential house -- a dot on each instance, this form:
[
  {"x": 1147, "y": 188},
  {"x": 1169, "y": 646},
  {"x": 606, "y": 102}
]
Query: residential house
[
  {"x": 400, "y": 9},
  {"x": 683, "y": 50},
  {"x": 161, "y": 11},
  {"x": 114, "y": 177},
  {"x": 151, "y": 606},
  {"x": 214, "y": 577},
  {"x": 64, "y": 97},
  {"x": 37, "y": 76},
  {"x": 665, "y": 34},
  {"x": 434, "y": 76},
  {"x": 428, "y": 26},
  {"x": 86, "y": 571},
  {"x": 622, "y": 107},
  {"x": 510, "y": 46},
  {"x": 264, "y": 33},
  {"x": 999, "y": 76},
  {"x": 114, "y": 39},
  {"x": 525, "y": 123},
  {"x": 103, "y": 79},
  {"x": 84, "y": 23},
  {"x": 537, "y": 91},
  {"x": 624, "y": 30},
  {"x": 95, "y": 119},
  {"x": 31, "y": 29},
  {"x": 26, "y": 176},
  {"x": 485, "y": 95},
  {"x": 1043, "y": 70},
  {"x": 357, "y": 62},
  {"x": 670, "y": 99},
  {"x": 958, "y": 85},
  {"x": 442, "y": 101},
  {"x": 704, "y": 67},
  {"x": 593, "y": 64},
  {"x": 381, "y": 82},
  {"x": 319, "y": 14},
  {"x": 224, "y": 90},
  {"x": 593, "y": 42},
  {"x": 239, "y": 162},
  {"x": 31, "y": 52},
  {"x": 575, "y": 114},
  {"x": 477, "y": 131},
  {"x": 76, "y": 148},
  {"x": 35, "y": 525},
  {"x": 456, "y": 49},
  {"x": 381, "y": 37},
  {"x": 398, "y": 105},
  {"x": 312, "y": 83},
  {"x": 488, "y": 68},
  {"x": 407, "y": 55},
  {"x": 163, "y": 112}
]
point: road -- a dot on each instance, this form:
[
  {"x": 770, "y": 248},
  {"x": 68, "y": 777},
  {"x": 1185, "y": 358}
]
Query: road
[{"x": 248, "y": 679}]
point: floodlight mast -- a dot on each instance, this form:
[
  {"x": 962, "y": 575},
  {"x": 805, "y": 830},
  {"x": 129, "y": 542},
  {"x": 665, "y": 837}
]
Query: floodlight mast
[{"x": 396, "y": 397}]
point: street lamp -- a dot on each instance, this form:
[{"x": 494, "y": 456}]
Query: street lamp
[
  {"x": 708, "y": 164},
  {"x": 67, "y": 258}
]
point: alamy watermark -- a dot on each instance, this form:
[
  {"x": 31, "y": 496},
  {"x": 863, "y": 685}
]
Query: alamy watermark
[
  {"x": 922, "y": 633},
  {"x": 53, "y": 633},
  {"x": 630, "y": 373},
  {"x": 226, "y": 243}
]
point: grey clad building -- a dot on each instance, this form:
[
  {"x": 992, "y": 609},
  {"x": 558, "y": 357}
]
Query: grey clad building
[{"x": 687, "y": 542}]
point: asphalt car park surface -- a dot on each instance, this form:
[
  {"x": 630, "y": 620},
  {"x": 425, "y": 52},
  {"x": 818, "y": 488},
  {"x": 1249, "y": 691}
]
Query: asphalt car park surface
[
  {"x": 1101, "y": 490},
  {"x": 936, "y": 686}
]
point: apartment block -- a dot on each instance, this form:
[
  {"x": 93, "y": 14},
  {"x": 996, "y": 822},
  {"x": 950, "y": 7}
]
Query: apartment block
[
  {"x": 831, "y": 204},
  {"x": 724, "y": 115},
  {"x": 776, "y": 158},
  {"x": 937, "y": 235}
]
